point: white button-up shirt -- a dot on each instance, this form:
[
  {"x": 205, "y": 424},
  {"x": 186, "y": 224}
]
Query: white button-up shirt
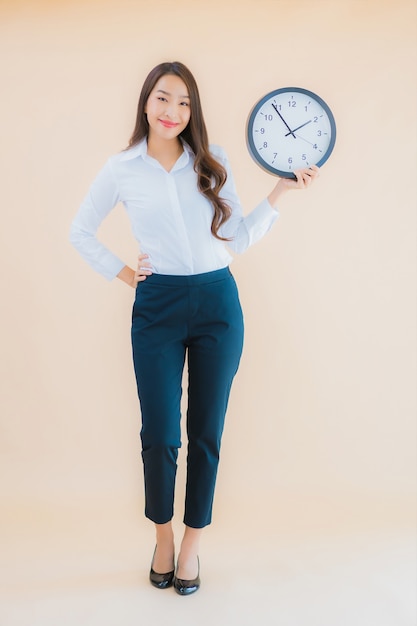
[{"x": 170, "y": 218}]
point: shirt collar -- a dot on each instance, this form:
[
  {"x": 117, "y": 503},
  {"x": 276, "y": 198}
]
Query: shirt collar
[{"x": 140, "y": 150}]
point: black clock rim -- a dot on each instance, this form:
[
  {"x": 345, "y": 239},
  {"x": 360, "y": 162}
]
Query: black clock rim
[{"x": 251, "y": 144}]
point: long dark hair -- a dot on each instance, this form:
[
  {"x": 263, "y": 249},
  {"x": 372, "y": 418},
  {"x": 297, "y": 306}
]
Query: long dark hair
[{"x": 211, "y": 174}]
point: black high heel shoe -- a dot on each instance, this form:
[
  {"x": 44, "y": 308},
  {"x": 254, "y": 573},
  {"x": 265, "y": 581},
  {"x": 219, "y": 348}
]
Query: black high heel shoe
[
  {"x": 161, "y": 581},
  {"x": 187, "y": 587}
]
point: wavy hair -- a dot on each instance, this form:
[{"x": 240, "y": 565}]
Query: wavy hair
[{"x": 210, "y": 173}]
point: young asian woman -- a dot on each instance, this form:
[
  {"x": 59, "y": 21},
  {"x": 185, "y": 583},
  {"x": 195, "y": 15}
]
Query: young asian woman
[{"x": 179, "y": 193}]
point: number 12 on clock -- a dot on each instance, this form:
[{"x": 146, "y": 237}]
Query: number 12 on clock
[{"x": 290, "y": 129}]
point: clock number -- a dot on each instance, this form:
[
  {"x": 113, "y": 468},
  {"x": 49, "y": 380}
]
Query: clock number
[{"x": 292, "y": 111}]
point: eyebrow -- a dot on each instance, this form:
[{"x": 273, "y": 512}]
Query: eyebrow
[{"x": 166, "y": 93}]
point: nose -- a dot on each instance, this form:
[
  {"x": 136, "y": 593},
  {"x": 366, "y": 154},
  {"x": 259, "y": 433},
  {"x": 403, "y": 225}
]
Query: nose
[{"x": 170, "y": 110}]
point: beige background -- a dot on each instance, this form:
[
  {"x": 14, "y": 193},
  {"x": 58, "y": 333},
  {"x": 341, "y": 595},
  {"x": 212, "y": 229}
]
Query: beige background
[{"x": 320, "y": 438}]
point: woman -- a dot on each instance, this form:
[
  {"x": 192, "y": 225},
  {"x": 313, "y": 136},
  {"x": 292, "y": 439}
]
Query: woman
[{"x": 180, "y": 197}]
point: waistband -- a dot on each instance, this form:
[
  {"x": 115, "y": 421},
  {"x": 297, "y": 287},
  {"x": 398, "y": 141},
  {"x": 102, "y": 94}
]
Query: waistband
[{"x": 188, "y": 280}]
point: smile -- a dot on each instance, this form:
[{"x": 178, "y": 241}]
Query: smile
[{"x": 168, "y": 124}]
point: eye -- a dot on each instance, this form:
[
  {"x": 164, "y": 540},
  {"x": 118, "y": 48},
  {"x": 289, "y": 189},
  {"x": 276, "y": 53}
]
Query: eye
[
  {"x": 162, "y": 99},
  {"x": 184, "y": 104}
]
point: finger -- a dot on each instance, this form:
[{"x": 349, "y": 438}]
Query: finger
[
  {"x": 313, "y": 171},
  {"x": 142, "y": 258},
  {"x": 143, "y": 271},
  {"x": 307, "y": 176},
  {"x": 299, "y": 177},
  {"x": 303, "y": 179},
  {"x": 144, "y": 268},
  {"x": 142, "y": 262},
  {"x": 139, "y": 277}
]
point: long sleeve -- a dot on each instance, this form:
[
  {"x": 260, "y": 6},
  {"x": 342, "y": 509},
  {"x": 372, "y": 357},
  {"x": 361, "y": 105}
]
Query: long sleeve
[
  {"x": 170, "y": 218},
  {"x": 100, "y": 200},
  {"x": 243, "y": 231}
]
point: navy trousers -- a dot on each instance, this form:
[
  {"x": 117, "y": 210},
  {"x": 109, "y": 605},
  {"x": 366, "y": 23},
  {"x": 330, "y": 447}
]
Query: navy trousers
[{"x": 174, "y": 317}]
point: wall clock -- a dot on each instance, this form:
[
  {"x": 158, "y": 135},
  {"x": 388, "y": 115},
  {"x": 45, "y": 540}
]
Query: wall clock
[{"x": 290, "y": 129}]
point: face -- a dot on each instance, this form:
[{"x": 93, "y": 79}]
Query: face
[{"x": 168, "y": 107}]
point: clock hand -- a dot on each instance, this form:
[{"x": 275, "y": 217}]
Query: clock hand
[
  {"x": 310, "y": 142},
  {"x": 298, "y": 128},
  {"x": 291, "y": 132}
]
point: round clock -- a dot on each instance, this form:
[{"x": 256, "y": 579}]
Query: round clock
[{"x": 290, "y": 129}]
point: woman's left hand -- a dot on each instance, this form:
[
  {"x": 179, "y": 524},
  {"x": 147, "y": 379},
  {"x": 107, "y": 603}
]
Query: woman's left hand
[{"x": 305, "y": 179}]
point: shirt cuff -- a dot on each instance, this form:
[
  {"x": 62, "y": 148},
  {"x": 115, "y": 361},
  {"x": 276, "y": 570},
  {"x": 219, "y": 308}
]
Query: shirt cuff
[
  {"x": 113, "y": 268},
  {"x": 272, "y": 208}
]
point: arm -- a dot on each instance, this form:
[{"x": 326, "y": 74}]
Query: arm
[
  {"x": 101, "y": 198},
  {"x": 304, "y": 179},
  {"x": 244, "y": 231}
]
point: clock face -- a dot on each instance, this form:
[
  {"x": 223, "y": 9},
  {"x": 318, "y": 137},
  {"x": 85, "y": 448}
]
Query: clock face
[{"x": 290, "y": 129}]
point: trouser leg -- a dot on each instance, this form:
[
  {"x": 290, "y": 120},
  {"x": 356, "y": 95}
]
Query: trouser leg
[
  {"x": 159, "y": 387},
  {"x": 158, "y": 356},
  {"x": 213, "y": 359},
  {"x": 170, "y": 315}
]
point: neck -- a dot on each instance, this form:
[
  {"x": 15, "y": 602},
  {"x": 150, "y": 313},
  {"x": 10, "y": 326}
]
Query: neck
[
  {"x": 158, "y": 147},
  {"x": 166, "y": 152}
]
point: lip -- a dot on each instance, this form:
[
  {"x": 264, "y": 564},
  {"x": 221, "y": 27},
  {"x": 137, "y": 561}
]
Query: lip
[{"x": 168, "y": 124}]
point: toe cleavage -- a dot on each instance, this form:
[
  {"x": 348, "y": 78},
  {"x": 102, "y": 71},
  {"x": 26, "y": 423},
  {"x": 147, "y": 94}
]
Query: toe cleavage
[
  {"x": 161, "y": 581},
  {"x": 187, "y": 587}
]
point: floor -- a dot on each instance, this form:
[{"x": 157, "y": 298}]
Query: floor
[{"x": 77, "y": 569}]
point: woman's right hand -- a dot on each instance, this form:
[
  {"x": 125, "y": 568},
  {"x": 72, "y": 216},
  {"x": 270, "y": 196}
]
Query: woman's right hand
[
  {"x": 143, "y": 270},
  {"x": 132, "y": 277}
]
